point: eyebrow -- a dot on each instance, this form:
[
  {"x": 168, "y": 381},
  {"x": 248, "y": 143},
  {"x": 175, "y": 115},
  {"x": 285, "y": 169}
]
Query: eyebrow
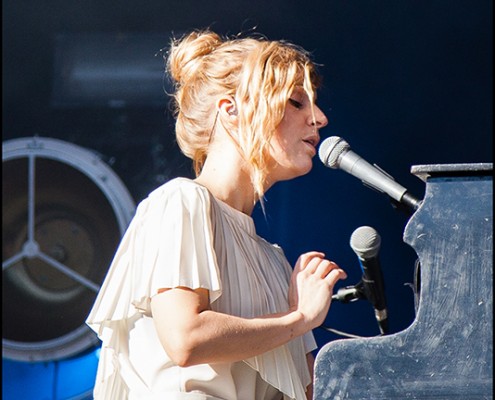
[{"x": 301, "y": 90}]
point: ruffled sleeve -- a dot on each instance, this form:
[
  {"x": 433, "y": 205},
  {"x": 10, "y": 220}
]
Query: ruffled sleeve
[
  {"x": 167, "y": 244},
  {"x": 175, "y": 247}
]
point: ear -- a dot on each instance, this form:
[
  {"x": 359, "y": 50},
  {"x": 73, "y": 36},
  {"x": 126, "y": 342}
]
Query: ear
[{"x": 227, "y": 106}]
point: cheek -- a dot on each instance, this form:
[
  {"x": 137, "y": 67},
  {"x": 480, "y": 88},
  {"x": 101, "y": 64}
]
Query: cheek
[
  {"x": 283, "y": 139},
  {"x": 277, "y": 154},
  {"x": 291, "y": 158},
  {"x": 278, "y": 144}
]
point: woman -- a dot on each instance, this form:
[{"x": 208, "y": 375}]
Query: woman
[{"x": 196, "y": 305}]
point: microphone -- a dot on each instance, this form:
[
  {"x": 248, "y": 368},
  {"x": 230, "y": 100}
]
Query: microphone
[
  {"x": 335, "y": 152},
  {"x": 365, "y": 241}
]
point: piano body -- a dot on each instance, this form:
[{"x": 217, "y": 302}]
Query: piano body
[{"x": 447, "y": 352}]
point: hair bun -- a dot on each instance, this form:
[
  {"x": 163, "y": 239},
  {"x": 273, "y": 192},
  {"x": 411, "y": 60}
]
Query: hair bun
[{"x": 187, "y": 53}]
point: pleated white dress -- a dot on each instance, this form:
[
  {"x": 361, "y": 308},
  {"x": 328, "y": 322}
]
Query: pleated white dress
[{"x": 182, "y": 236}]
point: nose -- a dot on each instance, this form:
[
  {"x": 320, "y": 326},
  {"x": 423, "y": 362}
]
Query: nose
[{"x": 321, "y": 119}]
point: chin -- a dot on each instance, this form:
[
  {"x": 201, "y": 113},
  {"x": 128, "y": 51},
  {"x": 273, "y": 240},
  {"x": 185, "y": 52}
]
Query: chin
[
  {"x": 302, "y": 171},
  {"x": 295, "y": 170},
  {"x": 307, "y": 168}
]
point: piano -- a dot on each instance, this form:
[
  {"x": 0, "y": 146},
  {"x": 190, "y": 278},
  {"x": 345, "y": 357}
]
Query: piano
[{"x": 447, "y": 351}]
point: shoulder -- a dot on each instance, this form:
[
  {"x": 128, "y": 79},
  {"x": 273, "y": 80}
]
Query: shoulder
[
  {"x": 179, "y": 187},
  {"x": 177, "y": 202},
  {"x": 175, "y": 194}
]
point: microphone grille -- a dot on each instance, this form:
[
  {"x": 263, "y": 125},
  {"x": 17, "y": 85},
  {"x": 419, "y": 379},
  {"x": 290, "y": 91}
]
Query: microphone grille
[
  {"x": 331, "y": 149},
  {"x": 365, "y": 241}
]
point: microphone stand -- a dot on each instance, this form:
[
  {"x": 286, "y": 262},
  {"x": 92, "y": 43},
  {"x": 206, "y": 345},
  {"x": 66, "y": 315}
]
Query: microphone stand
[
  {"x": 349, "y": 294},
  {"x": 408, "y": 204}
]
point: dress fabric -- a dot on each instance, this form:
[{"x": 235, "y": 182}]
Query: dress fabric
[{"x": 183, "y": 236}]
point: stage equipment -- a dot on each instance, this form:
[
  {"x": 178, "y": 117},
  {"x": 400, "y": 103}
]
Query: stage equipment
[
  {"x": 365, "y": 242},
  {"x": 110, "y": 70},
  {"x": 64, "y": 212},
  {"x": 335, "y": 152}
]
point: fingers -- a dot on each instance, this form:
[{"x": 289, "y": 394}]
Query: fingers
[
  {"x": 314, "y": 263},
  {"x": 306, "y": 258},
  {"x": 334, "y": 275},
  {"x": 329, "y": 271},
  {"x": 324, "y": 268}
]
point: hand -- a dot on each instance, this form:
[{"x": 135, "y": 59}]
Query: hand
[{"x": 311, "y": 286}]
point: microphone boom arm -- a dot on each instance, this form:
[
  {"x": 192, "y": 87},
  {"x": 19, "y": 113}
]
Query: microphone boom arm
[{"x": 350, "y": 293}]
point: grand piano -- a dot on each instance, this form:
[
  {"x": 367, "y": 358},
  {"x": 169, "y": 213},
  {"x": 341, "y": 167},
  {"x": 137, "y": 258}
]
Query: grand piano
[{"x": 447, "y": 352}]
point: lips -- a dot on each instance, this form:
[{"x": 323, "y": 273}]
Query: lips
[
  {"x": 312, "y": 141},
  {"x": 310, "y": 146}
]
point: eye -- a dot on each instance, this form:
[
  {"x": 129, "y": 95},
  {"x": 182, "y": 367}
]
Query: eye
[{"x": 295, "y": 103}]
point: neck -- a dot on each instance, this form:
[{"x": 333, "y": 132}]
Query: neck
[{"x": 224, "y": 179}]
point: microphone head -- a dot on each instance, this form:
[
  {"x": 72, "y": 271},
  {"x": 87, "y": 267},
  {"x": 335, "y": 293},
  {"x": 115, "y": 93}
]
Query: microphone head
[
  {"x": 331, "y": 149},
  {"x": 365, "y": 241}
]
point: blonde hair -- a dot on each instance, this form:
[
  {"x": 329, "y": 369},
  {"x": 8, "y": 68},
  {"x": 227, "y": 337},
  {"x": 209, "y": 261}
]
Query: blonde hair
[{"x": 258, "y": 73}]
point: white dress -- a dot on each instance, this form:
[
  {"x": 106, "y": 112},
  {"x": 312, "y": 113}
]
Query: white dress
[{"x": 182, "y": 236}]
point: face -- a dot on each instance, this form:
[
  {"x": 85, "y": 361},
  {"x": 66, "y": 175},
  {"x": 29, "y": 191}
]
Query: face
[{"x": 295, "y": 141}]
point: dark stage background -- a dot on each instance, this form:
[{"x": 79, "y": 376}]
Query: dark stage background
[{"x": 405, "y": 83}]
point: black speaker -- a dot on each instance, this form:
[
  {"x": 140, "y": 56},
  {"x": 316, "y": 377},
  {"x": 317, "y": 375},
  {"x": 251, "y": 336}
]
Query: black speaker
[{"x": 64, "y": 211}]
